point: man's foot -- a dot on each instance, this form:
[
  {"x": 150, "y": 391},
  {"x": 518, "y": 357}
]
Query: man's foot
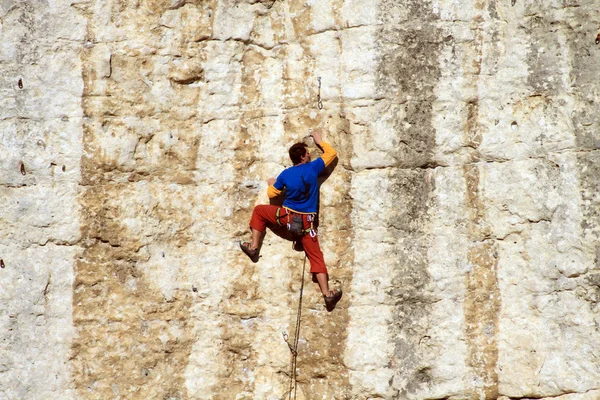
[
  {"x": 332, "y": 299},
  {"x": 252, "y": 253}
]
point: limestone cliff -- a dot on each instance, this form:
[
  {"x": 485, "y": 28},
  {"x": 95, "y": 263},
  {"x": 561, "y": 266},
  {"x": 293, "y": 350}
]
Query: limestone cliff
[{"x": 462, "y": 218}]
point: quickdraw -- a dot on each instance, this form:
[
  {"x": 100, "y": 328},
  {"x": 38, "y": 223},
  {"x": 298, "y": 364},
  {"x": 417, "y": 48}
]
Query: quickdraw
[
  {"x": 319, "y": 101},
  {"x": 312, "y": 232},
  {"x": 287, "y": 340}
]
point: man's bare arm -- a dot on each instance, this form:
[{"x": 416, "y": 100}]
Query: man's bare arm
[{"x": 329, "y": 153}]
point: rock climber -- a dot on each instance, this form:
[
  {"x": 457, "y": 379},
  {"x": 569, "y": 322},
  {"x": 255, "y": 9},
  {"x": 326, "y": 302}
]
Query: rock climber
[{"x": 300, "y": 186}]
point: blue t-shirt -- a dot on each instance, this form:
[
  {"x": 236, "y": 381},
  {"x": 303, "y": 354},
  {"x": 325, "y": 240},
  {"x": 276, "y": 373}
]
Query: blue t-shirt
[{"x": 301, "y": 185}]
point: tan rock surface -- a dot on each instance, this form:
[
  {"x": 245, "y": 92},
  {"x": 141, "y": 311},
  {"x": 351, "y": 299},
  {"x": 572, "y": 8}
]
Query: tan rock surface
[{"x": 461, "y": 218}]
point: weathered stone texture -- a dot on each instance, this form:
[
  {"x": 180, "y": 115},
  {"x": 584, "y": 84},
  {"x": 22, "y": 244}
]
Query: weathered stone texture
[
  {"x": 461, "y": 218},
  {"x": 40, "y": 142}
]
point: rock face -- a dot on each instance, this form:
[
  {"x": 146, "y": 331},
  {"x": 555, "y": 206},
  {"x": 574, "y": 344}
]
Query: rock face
[{"x": 462, "y": 218}]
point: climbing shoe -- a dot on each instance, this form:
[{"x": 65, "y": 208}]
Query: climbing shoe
[
  {"x": 252, "y": 253},
  {"x": 331, "y": 301}
]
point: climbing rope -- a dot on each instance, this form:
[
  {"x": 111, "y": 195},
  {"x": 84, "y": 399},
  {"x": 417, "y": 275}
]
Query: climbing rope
[
  {"x": 294, "y": 347},
  {"x": 319, "y": 101}
]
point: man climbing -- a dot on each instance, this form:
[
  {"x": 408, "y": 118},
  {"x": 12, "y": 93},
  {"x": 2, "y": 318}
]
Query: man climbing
[{"x": 300, "y": 185}]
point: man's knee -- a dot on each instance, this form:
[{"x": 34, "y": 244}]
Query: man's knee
[{"x": 260, "y": 217}]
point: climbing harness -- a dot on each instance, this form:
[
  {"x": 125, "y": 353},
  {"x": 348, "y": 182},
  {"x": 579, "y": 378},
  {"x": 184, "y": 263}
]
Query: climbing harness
[
  {"x": 295, "y": 224},
  {"x": 294, "y": 347},
  {"x": 319, "y": 101}
]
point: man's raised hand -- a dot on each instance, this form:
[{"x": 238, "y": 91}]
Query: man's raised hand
[{"x": 316, "y": 137}]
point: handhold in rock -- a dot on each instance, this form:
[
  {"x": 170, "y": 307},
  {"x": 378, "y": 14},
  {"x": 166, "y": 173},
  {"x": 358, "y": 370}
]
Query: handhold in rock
[
  {"x": 513, "y": 2},
  {"x": 20, "y": 83},
  {"x": 2, "y": 263},
  {"x": 186, "y": 72},
  {"x": 598, "y": 39},
  {"x": 22, "y": 167}
]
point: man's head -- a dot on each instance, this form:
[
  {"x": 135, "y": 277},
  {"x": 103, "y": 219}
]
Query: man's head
[{"x": 299, "y": 153}]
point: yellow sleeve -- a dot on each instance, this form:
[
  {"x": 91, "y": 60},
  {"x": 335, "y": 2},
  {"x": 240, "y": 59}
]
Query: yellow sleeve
[
  {"x": 329, "y": 153},
  {"x": 273, "y": 192}
]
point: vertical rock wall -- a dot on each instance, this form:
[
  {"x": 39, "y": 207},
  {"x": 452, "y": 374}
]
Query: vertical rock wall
[
  {"x": 461, "y": 218},
  {"x": 41, "y": 148}
]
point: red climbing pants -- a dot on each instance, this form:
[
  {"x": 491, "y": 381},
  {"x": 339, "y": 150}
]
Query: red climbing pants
[{"x": 265, "y": 216}]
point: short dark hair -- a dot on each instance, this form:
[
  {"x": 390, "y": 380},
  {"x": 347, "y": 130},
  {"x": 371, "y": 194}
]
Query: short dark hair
[{"x": 297, "y": 151}]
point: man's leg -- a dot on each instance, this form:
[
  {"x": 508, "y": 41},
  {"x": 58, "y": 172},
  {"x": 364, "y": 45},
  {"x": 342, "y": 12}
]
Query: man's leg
[
  {"x": 317, "y": 262},
  {"x": 257, "y": 239},
  {"x": 322, "y": 280},
  {"x": 262, "y": 215}
]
